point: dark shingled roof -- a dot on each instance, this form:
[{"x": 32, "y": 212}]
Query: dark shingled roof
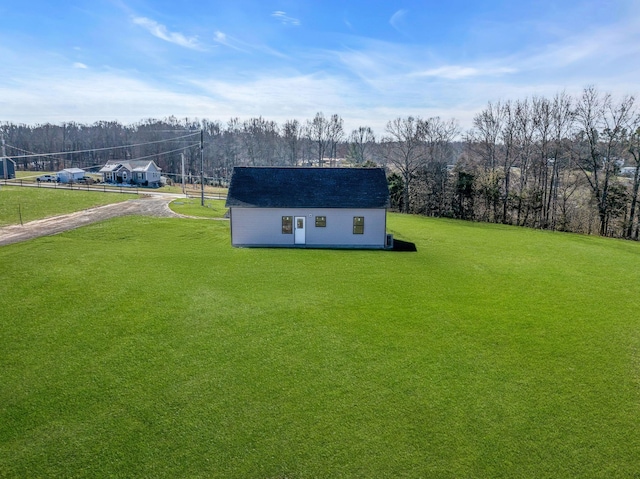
[{"x": 265, "y": 187}]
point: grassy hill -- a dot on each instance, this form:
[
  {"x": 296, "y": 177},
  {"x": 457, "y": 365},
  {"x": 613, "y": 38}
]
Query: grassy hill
[{"x": 150, "y": 347}]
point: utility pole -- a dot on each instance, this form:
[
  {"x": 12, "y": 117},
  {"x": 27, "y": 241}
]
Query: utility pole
[
  {"x": 201, "y": 167},
  {"x": 182, "y": 156},
  {"x": 5, "y": 173},
  {"x": 64, "y": 145}
]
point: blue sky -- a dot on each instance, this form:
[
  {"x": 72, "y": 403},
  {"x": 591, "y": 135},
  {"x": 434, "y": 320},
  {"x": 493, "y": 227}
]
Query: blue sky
[{"x": 369, "y": 61}]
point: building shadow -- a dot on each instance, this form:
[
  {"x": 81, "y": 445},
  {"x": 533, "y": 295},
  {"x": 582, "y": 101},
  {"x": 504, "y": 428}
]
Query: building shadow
[{"x": 399, "y": 245}]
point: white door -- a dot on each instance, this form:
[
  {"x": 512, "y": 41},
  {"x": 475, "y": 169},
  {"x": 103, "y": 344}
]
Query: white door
[{"x": 298, "y": 230}]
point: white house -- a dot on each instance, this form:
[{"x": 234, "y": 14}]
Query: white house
[
  {"x": 135, "y": 172},
  {"x": 628, "y": 171},
  {"x": 308, "y": 207}
]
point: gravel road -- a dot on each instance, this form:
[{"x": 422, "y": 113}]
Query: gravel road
[{"x": 153, "y": 206}]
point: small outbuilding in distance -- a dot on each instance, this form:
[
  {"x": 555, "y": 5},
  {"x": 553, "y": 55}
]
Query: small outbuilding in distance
[
  {"x": 70, "y": 175},
  {"x": 7, "y": 168},
  {"x": 308, "y": 207}
]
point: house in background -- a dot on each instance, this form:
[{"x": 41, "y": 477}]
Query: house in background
[
  {"x": 70, "y": 175},
  {"x": 7, "y": 168},
  {"x": 134, "y": 172},
  {"x": 308, "y": 207},
  {"x": 629, "y": 171}
]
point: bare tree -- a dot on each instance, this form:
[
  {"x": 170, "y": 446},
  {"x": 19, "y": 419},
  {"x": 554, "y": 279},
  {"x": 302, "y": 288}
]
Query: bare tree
[
  {"x": 604, "y": 125},
  {"x": 541, "y": 117},
  {"x": 291, "y": 132},
  {"x": 634, "y": 149},
  {"x": 335, "y": 133},
  {"x": 524, "y": 198},
  {"x": 252, "y": 140},
  {"x": 214, "y": 149},
  {"x": 483, "y": 143},
  {"x": 438, "y": 137},
  {"x": 360, "y": 142},
  {"x": 317, "y": 132},
  {"x": 404, "y": 149},
  {"x": 231, "y": 147},
  {"x": 562, "y": 121},
  {"x": 552, "y": 123},
  {"x": 487, "y": 126}
]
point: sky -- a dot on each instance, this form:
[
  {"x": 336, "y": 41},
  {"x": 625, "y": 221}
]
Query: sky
[{"x": 368, "y": 61}]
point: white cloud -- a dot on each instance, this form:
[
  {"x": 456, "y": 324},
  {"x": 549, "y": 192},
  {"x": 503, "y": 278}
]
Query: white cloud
[
  {"x": 160, "y": 31},
  {"x": 397, "y": 18},
  {"x": 591, "y": 50},
  {"x": 228, "y": 41},
  {"x": 275, "y": 95},
  {"x": 451, "y": 72},
  {"x": 236, "y": 44},
  {"x": 90, "y": 97},
  {"x": 286, "y": 19},
  {"x": 80, "y": 66},
  {"x": 456, "y": 72}
]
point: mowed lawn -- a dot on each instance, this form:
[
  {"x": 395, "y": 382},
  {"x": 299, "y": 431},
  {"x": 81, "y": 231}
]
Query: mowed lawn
[
  {"x": 30, "y": 203},
  {"x": 193, "y": 207},
  {"x": 150, "y": 347}
]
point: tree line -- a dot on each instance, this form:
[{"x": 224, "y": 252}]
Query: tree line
[
  {"x": 563, "y": 163},
  {"x": 567, "y": 163},
  {"x": 258, "y": 142}
]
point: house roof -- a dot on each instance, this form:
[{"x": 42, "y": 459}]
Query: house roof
[
  {"x": 108, "y": 168},
  {"x": 269, "y": 187},
  {"x": 72, "y": 170},
  {"x": 131, "y": 165}
]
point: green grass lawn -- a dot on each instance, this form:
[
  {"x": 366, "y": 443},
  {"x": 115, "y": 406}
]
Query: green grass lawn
[
  {"x": 20, "y": 174},
  {"x": 193, "y": 207},
  {"x": 194, "y": 190},
  {"x": 37, "y": 203},
  {"x": 150, "y": 347}
]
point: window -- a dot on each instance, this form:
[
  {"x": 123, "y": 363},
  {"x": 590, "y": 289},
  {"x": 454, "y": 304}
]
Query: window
[
  {"x": 358, "y": 225},
  {"x": 287, "y": 225},
  {"x": 321, "y": 221}
]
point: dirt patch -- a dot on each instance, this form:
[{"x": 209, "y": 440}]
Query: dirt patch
[{"x": 153, "y": 206}]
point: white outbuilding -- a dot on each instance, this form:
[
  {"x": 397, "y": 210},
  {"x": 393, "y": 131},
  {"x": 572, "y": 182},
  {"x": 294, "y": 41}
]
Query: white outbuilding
[
  {"x": 308, "y": 207},
  {"x": 70, "y": 175}
]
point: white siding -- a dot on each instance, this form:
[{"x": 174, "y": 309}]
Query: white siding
[
  {"x": 263, "y": 227},
  {"x": 66, "y": 175}
]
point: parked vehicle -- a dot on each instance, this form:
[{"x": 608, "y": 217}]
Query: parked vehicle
[{"x": 48, "y": 178}]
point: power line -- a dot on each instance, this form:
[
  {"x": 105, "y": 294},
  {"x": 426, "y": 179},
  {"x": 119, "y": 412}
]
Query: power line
[
  {"x": 32, "y": 153},
  {"x": 162, "y": 153},
  {"x": 104, "y": 149}
]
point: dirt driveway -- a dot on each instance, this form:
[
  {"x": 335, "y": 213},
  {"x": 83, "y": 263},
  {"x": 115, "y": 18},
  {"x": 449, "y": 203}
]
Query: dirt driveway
[{"x": 153, "y": 206}]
